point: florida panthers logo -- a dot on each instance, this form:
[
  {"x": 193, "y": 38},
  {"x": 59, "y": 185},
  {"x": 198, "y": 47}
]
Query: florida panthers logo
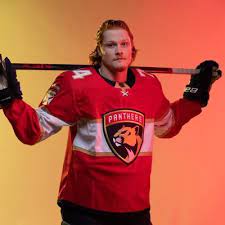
[
  {"x": 129, "y": 139},
  {"x": 51, "y": 93},
  {"x": 123, "y": 130}
]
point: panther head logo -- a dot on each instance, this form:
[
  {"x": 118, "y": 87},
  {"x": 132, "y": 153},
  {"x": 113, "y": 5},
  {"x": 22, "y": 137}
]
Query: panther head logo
[
  {"x": 129, "y": 140},
  {"x": 124, "y": 132}
]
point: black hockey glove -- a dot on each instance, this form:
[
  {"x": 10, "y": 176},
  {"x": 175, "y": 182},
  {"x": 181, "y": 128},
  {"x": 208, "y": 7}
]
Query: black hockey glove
[
  {"x": 200, "y": 84},
  {"x": 9, "y": 85}
]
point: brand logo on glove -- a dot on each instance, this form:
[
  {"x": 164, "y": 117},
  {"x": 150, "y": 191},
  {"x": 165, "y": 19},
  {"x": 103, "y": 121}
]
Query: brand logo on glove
[
  {"x": 191, "y": 90},
  {"x": 124, "y": 131}
]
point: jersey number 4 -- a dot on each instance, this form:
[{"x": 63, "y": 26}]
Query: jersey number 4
[{"x": 80, "y": 74}]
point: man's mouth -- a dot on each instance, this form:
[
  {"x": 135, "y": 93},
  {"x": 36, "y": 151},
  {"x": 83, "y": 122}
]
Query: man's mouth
[{"x": 117, "y": 59}]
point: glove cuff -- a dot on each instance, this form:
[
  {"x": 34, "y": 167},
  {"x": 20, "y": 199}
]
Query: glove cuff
[
  {"x": 196, "y": 94},
  {"x": 5, "y": 97}
]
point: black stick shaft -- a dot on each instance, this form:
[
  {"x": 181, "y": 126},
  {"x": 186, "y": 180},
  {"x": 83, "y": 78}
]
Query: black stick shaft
[{"x": 33, "y": 66}]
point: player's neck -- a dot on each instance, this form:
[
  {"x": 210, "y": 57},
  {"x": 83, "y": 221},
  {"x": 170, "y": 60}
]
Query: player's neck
[{"x": 120, "y": 76}]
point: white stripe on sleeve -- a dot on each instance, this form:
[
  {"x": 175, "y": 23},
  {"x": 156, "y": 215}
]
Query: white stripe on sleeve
[
  {"x": 49, "y": 123},
  {"x": 164, "y": 125}
]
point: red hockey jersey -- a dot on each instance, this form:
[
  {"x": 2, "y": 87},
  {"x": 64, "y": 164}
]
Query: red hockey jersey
[{"x": 109, "y": 152}]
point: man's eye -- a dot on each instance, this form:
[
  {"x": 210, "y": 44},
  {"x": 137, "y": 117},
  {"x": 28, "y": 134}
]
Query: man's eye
[
  {"x": 125, "y": 44},
  {"x": 110, "y": 45}
]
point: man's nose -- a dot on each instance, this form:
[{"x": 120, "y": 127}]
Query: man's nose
[{"x": 119, "y": 50}]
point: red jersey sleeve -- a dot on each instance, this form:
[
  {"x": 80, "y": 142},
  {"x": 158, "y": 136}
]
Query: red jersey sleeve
[
  {"x": 24, "y": 121},
  {"x": 56, "y": 110},
  {"x": 60, "y": 100},
  {"x": 183, "y": 110},
  {"x": 170, "y": 118}
]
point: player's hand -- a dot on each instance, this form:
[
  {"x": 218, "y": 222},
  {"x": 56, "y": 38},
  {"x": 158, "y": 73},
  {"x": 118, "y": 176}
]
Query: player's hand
[
  {"x": 200, "y": 84},
  {"x": 9, "y": 85}
]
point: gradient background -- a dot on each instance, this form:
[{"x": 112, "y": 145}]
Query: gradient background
[{"x": 188, "y": 178}]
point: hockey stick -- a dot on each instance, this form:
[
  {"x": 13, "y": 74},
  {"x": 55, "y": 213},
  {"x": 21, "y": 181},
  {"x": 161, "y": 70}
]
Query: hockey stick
[{"x": 33, "y": 66}]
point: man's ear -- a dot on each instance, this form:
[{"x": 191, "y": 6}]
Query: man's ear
[{"x": 136, "y": 130}]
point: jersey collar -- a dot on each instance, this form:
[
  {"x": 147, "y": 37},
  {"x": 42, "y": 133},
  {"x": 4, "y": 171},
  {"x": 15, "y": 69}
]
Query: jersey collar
[{"x": 130, "y": 78}]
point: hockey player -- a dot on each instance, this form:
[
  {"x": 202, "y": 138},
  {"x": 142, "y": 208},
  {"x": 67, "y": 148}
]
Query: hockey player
[{"x": 112, "y": 112}]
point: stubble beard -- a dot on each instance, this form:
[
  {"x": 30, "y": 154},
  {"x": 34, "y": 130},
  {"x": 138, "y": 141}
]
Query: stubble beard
[{"x": 117, "y": 67}]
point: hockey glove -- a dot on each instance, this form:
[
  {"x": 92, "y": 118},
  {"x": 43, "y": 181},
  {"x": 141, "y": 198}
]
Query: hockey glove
[
  {"x": 200, "y": 84},
  {"x": 9, "y": 85}
]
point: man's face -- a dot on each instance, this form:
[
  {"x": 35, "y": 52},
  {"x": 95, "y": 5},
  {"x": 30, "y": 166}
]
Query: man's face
[{"x": 116, "y": 50}]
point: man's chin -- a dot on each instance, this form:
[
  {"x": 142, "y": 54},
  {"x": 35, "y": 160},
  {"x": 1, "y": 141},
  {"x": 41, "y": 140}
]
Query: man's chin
[
  {"x": 114, "y": 68},
  {"x": 120, "y": 68}
]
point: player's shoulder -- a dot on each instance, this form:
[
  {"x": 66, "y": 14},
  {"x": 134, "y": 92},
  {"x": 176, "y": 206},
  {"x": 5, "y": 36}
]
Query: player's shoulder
[
  {"x": 78, "y": 76},
  {"x": 146, "y": 76}
]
